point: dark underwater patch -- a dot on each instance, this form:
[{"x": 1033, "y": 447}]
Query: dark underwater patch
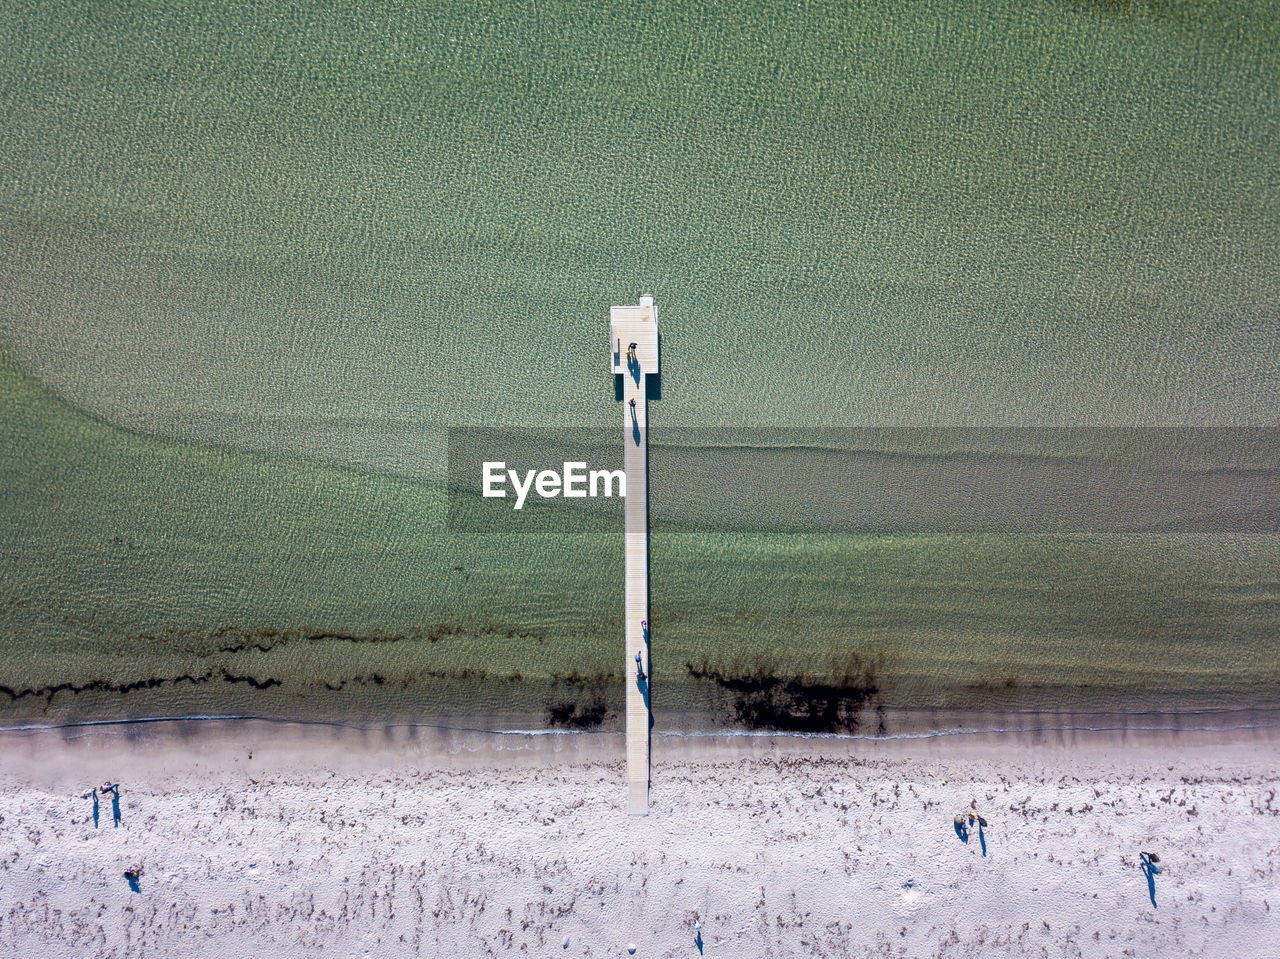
[{"x": 762, "y": 698}]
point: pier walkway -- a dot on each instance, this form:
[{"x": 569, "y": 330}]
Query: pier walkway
[{"x": 636, "y": 325}]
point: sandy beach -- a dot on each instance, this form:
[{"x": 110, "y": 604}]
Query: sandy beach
[{"x": 258, "y": 839}]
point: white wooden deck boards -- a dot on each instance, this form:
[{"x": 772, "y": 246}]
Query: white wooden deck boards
[
  {"x": 639, "y": 325},
  {"x": 636, "y": 461}
]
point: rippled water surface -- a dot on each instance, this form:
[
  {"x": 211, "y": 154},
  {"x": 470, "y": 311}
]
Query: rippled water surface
[{"x": 255, "y": 261}]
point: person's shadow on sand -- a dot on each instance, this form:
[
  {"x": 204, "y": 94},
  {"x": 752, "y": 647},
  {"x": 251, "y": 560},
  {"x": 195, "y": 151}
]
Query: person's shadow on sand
[
  {"x": 134, "y": 880},
  {"x": 115, "y": 808},
  {"x": 1151, "y": 870},
  {"x": 97, "y": 810},
  {"x": 982, "y": 837},
  {"x": 962, "y": 831}
]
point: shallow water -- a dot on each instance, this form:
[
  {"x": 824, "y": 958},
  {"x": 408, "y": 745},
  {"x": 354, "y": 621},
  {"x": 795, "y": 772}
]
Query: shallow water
[
  {"x": 286, "y": 252},
  {"x": 148, "y": 577}
]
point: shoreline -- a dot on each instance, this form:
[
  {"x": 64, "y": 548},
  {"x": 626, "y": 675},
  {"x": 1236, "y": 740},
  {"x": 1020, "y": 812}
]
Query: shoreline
[
  {"x": 44, "y": 754},
  {"x": 898, "y": 723}
]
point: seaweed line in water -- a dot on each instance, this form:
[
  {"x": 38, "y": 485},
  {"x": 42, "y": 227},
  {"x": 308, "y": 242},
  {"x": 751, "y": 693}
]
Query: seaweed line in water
[{"x": 101, "y": 685}]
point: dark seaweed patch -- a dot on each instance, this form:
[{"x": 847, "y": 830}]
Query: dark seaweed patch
[
  {"x": 762, "y": 699},
  {"x": 376, "y": 679},
  {"x": 572, "y": 715},
  {"x": 265, "y": 640},
  {"x": 255, "y": 683},
  {"x": 151, "y": 682}
]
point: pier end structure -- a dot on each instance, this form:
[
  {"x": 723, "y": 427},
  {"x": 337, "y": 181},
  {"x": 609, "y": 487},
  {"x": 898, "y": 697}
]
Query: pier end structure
[{"x": 633, "y": 332}]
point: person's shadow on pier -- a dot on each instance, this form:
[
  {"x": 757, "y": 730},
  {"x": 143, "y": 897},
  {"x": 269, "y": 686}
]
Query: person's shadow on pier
[
  {"x": 1151, "y": 870},
  {"x": 642, "y": 683},
  {"x": 635, "y": 426},
  {"x": 633, "y": 364}
]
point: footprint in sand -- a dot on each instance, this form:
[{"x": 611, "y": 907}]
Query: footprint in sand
[{"x": 910, "y": 898}]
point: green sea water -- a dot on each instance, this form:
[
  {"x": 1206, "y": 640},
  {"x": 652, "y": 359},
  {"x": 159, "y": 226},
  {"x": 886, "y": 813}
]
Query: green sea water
[
  {"x": 256, "y": 259},
  {"x": 150, "y": 577}
]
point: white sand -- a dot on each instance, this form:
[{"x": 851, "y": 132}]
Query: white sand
[{"x": 331, "y": 842}]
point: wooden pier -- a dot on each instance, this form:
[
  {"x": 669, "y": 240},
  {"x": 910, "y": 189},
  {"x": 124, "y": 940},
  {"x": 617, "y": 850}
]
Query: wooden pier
[{"x": 634, "y": 334}]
